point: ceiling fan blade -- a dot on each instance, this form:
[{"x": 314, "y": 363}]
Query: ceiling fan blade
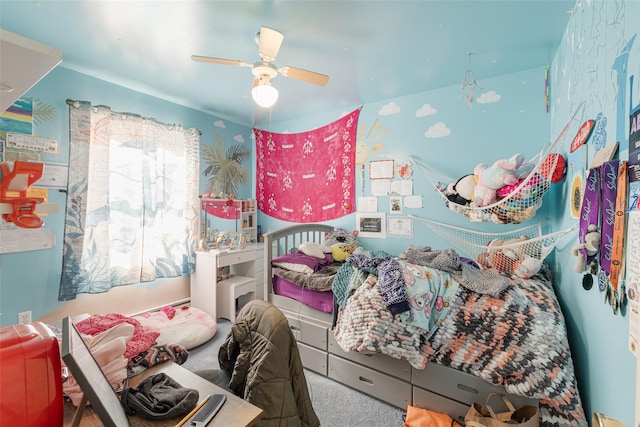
[
  {"x": 222, "y": 61},
  {"x": 269, "y": 44},
  {"x": 307, "y": 76}
]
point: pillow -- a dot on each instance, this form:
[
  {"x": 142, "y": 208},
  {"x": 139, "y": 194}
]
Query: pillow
[
  {"x": 298, "y": 268},
  {"x": 302, "y": 263},
  {"x": 188, "y": 327},
  {"x": 313, "y": 249}
]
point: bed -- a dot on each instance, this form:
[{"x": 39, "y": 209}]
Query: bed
[{"x": 442, "y": 355}]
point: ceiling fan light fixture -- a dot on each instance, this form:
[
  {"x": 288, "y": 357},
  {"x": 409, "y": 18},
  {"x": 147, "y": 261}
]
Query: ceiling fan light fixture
[{"x": 263, "y": 93}]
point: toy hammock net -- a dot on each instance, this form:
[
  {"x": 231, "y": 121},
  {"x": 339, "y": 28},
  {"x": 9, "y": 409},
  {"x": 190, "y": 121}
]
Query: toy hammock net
[
  {"x": 519, "y": 252},
  {"x": 522, "y": 199}
]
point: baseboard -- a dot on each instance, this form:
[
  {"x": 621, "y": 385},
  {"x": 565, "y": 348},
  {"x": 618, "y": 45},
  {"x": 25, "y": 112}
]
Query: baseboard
[{"x": 176, "y": 304}]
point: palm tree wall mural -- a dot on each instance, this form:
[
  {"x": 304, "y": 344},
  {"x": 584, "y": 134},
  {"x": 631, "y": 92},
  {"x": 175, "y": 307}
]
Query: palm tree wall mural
[{"x": 224, "y": 167}]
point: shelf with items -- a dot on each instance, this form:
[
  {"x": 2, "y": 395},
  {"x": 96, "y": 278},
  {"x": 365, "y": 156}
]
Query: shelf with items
[{"x": 249, "y": 222}]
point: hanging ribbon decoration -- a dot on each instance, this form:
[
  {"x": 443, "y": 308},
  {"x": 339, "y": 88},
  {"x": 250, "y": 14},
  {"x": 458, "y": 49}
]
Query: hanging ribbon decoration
[
  {"x": 590, "y": 211},
  {"x": 609, "y": 180},
  {"x": 618, "y": 298}
]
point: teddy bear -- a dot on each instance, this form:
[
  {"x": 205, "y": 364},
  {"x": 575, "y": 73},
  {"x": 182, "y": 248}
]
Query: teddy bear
[
  {"x": 489, "y": 179},
  {"x": 341, "y": 243},
  {"x": 591, "y": 245}
]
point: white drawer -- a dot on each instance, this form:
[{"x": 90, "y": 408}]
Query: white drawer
[
  {"x": 396, "y": 367},
  {"x": 460, "y": 386},
  {"x": 306, "y": 331},
  {"x": 233, "y": 257},
  {"x": 374, "y": 383},
  {"x": 259, "y": 261},
  {"x": 426, "y": 400},
  {"x": 313, "y": 358}
]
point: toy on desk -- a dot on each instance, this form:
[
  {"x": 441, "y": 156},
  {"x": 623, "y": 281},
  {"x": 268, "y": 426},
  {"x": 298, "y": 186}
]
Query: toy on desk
[{"x": 22, "y": 208}]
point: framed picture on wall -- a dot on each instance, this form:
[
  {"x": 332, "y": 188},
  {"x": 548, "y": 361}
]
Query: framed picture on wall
[
  {"x": 371, "y": 224},
  {"x": 400, "y": 227}
]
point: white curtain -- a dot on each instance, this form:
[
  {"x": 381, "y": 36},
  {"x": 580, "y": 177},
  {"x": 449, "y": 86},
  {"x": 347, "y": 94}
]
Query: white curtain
[{"x": 132, "y": 203}]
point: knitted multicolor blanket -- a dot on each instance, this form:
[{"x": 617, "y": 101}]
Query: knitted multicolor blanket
[{"x": 518, "y": 341}]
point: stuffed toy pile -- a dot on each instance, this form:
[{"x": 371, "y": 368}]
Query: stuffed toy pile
[
  {"x": 512, "y": 179},
  {"x": 511, "y": 257}
]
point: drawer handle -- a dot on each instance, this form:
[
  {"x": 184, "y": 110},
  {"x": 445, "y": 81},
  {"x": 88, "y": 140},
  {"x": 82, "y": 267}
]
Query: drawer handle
[
  {"x": 468, "y": 389},
  {"x": 295, "y": 328},
  {"x": 365, "y": 380}
]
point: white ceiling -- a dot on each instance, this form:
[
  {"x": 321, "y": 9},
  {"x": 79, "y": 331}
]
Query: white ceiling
[{"x": 371, "y": 50}]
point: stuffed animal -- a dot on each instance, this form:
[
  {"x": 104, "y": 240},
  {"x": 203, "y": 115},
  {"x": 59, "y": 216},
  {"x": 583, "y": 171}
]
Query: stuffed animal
[
  {"x": 341, "y": 243},
  {"x": 502, "y": 255},
  {"x": 527, "y": 194},
  {"x": 554, "y": 167},
  {"x": 527, "y": 267},
  {"x": 591, "y": 245},
  {"x": 461, "y": 192},
  {"x": 490, "y": 179}
]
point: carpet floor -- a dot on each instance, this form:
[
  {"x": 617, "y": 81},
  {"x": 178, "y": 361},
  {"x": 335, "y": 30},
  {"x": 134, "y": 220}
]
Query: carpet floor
[{"x": 335, "y": 404}]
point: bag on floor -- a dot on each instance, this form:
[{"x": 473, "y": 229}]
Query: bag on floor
[
  {"x": 418, "y": 417},
  {"x": 526, "y": 416}
]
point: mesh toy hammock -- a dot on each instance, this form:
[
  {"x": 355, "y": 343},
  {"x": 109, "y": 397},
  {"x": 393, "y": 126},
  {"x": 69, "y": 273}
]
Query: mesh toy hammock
[
  {"x": 522, "y": 254},
  {"x": 522, "y": 201}
]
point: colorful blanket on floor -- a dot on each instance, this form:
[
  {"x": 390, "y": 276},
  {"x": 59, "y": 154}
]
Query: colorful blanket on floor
[{"x": 518, "y": 341}]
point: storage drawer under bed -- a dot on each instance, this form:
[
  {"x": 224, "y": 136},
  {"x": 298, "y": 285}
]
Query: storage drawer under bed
[
  {"x": 374, "y": 383},
  {"x": 307, "y": 331},
  {"x": 427, "y": 400},
  {"x": 461, "y": 386},
  {"x": 396, "y": 367}
]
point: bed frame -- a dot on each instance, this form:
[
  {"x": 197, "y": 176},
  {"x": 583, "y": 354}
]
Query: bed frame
[{"x": 393, "y": 381}]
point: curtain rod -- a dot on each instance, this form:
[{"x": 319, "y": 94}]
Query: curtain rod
[{"x": 73, "y": 103}]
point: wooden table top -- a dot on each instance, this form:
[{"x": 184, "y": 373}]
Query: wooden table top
[{"x": 234, "y": 413}]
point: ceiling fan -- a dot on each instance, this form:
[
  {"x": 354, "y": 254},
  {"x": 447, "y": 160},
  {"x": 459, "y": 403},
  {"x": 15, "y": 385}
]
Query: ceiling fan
[{"x": 269, "y": 42}]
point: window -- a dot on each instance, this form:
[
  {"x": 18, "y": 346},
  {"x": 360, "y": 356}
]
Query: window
[{"x": 132, "y": 203}]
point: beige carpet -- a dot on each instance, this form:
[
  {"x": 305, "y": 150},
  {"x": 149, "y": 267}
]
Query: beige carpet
[{"x": 335, "y": 404}]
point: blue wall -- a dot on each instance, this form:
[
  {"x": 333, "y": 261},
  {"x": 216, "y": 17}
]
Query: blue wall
[
  {"x": 594, "y": 64},
  {"x": 30, "y": 280},
  {"x": 516, "y": 123},
  {"x": 583, "y": 70}
]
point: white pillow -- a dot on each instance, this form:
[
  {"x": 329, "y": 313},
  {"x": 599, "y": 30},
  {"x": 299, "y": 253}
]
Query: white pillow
[{"x": 313, "y": 249}]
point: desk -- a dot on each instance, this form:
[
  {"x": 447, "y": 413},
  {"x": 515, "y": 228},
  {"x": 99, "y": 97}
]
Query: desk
[
  {"x": 245, "y": 262},
  {"x": 234, "y": 413}
]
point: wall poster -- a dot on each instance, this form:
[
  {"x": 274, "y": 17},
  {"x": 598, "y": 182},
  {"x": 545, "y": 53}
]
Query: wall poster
[{"x": 371, "y": 225}]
